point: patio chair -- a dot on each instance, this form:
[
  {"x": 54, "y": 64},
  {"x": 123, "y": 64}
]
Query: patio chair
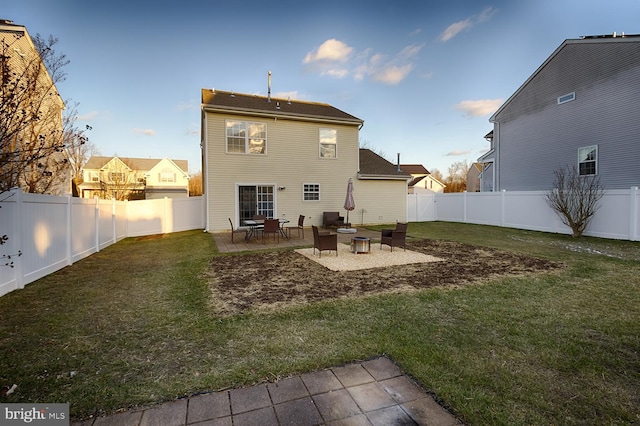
[
  {"x": 333, "y": 220},
  {"x": 236, "y": 231},
  {"x": 271, "y": 226},
  {"x": 324, "y": 241},
  {"x": 299, "y": 227},
  {"x": 394, "y": 237}
]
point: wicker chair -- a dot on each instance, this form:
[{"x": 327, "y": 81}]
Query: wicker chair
[
  {"x": 324, "y": 241},
  {"x": 299, "y": 227},
  {"x": 333, "y": 220},
  {"x": 394, "y": 237},
  {"x": 236, "y": 231},
  {"x": 271, "y": 226}
]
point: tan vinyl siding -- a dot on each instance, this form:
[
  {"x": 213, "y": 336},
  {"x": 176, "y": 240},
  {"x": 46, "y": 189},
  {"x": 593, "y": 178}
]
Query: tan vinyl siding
[
  {"x": 292, "y": 160},
  {"x": 388, "y": 208}
]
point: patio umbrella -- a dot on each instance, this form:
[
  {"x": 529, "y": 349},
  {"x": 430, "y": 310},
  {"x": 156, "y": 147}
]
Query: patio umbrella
[{"x": 349, "y": 203}]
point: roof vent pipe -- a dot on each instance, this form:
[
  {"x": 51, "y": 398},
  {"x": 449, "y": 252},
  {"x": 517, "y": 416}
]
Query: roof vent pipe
[
  {"x": 269, "y": 88},
  {"x": 399, "y": 163}
]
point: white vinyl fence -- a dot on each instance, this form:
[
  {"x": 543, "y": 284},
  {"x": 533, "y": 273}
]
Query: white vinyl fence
[
  {"x": 617, "y": 216},
  {"x": 53, "y": 232}
]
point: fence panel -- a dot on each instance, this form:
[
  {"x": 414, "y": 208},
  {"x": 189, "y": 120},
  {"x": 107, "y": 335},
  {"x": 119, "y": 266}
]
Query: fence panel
[
  {"x": 44, "y": 232},
  {"x": 483, "y": 208},
  {"x": 53, "y": 232}
]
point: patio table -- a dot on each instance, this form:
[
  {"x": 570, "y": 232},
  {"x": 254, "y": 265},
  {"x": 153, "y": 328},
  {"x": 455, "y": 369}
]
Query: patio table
[{"x": 255, "y": 225}]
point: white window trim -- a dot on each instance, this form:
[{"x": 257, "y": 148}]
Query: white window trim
[
  {"x": 308, "y": 192},
  {"x": 246, "y": 138},
  {"x": 566, "y": 98},
  {"x": 596, "y": 160},
  {"x": 320, "y": 143}
]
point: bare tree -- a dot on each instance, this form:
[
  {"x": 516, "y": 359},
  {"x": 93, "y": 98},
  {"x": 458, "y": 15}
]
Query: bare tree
[
  {"x": 575, "y": 198},
  {"x": 31, "y": 139},
  {"x": 456, "y": 180},
  {"x": 195, "y": 184},
  {"x": 77, "y": 147}
]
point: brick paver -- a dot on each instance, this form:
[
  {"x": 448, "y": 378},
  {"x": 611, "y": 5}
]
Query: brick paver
[{"x": 373, "y": 392}]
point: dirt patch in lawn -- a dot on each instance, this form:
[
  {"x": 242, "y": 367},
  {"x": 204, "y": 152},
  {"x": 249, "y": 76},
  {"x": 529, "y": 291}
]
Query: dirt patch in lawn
[{"x": 269, "y": 280}]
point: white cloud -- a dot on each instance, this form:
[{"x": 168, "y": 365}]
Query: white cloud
[
  {"x": 480, "y": 107},
  {"x": 89, "y": 116},
  {"x": 392, "y": 74},
  {"x": 457, "y": 27},
  {"x": 453, "y": 29},
  {"x": 146, "y": 132},
  {"x": 337, "y": 73},
  {"x": 384, "y": 69},
  {"x": 456, "y": 153},
  {"x": 331, "y": 50}
]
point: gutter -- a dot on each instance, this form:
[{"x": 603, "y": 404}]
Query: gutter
[{"x": 298, "y": 117}]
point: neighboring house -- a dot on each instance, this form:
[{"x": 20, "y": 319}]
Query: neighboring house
[
  {"x": 284, "y": 158},
  {"x": 421, "y": 180},
  {"x": 134, "y": 178},
  {"x": 579, "y": 108},
  {"x": 28, "y": 90},
  {"x": 473, "y": 177}
]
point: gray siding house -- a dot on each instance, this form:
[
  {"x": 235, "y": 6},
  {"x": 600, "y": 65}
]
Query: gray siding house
[{"x": 579, "y": 108}]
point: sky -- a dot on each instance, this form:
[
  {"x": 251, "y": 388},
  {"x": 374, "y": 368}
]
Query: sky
[{"x": 425, "y": 76}]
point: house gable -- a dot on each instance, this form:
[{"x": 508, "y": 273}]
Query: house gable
[
  {"x": 290, "y": 173},
  {"x": 584, "y": 95}
]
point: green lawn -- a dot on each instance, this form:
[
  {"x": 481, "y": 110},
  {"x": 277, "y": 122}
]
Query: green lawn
[{"x": 131, "y": 326}]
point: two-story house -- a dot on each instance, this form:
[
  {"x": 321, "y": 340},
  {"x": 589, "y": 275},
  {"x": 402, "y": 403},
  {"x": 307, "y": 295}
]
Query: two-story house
[
  {"x": 32, "y": 136},
  {"x": 284, "y": 158},
  {"x": 579, "y": 108},
  {"x": 134, "y": 178},
  {"x": 422, "y": 180}
]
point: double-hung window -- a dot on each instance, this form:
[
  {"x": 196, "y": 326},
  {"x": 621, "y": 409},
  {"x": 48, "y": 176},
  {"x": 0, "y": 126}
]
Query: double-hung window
[
  {"x": 588, "y": 160},
  {"x": 328, "y": 143},
  {"x": 246, "y": 137},
  {"x": 311, "y": 192}
]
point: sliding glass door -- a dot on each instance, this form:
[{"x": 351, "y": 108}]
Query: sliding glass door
[{"x": 255, "y": 199}]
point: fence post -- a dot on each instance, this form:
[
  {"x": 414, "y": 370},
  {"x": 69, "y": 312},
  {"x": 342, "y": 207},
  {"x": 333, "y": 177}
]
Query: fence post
[
  {"x": 464, "y": 206},
  {"x": 503, "y": 200},
  {"x": 96, "y": 219},
  {"x": 633, "y": 213},
  {"x": 113, "y": 221},
  {"x": 69, "y": 233},
  {"x": 19, "y": 270}
]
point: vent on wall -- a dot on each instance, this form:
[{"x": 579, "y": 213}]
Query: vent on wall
[{"x": 566, "y": 98}]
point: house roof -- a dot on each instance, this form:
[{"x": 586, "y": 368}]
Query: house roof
[
  {"x": 243, "y": 104},
  {"x": 98, "y": 162},
  {"x": 589, "y": 58},
  {"x": 373, "y": 166},
  {"x": 415, "y": 180},
  {"x": 414, "y": 169}
]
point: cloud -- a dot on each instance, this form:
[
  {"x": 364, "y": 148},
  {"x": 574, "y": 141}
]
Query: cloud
[
  {"x": 457, "y": 27},
  {"x": 146, "y": 132},
  {"x": 89, "y": 116},
  {"x": 331, "y": 50},
  {"x": 387, "y": 70},
  {"x": 456, "y": 153},
  {"x": 479, "y": 108},
  {"x": 392, "y": 74}
]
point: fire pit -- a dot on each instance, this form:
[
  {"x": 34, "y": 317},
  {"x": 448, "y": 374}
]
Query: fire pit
[{"x": 360, "y": 245}]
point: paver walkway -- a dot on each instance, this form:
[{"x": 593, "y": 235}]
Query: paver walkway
[{"x": 373, "y": 392}]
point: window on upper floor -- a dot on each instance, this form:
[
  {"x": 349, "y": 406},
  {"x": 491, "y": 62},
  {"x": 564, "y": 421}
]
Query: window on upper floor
[
  {"x": 588, "y": 160},
  {"x": 116, "y": 177},
  {"x": 311, "y": 192},
  {"x": 328, "y": 143},
  {"x": 245, "y": 137},
  {"x": 167, "y": 176}
]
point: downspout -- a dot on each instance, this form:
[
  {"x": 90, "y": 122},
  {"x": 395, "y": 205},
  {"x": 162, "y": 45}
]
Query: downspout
[{"x": 205, "y": 163}]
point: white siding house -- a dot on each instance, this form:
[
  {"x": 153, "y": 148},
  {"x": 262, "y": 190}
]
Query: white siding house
[{"x": 285, "y": 158}]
